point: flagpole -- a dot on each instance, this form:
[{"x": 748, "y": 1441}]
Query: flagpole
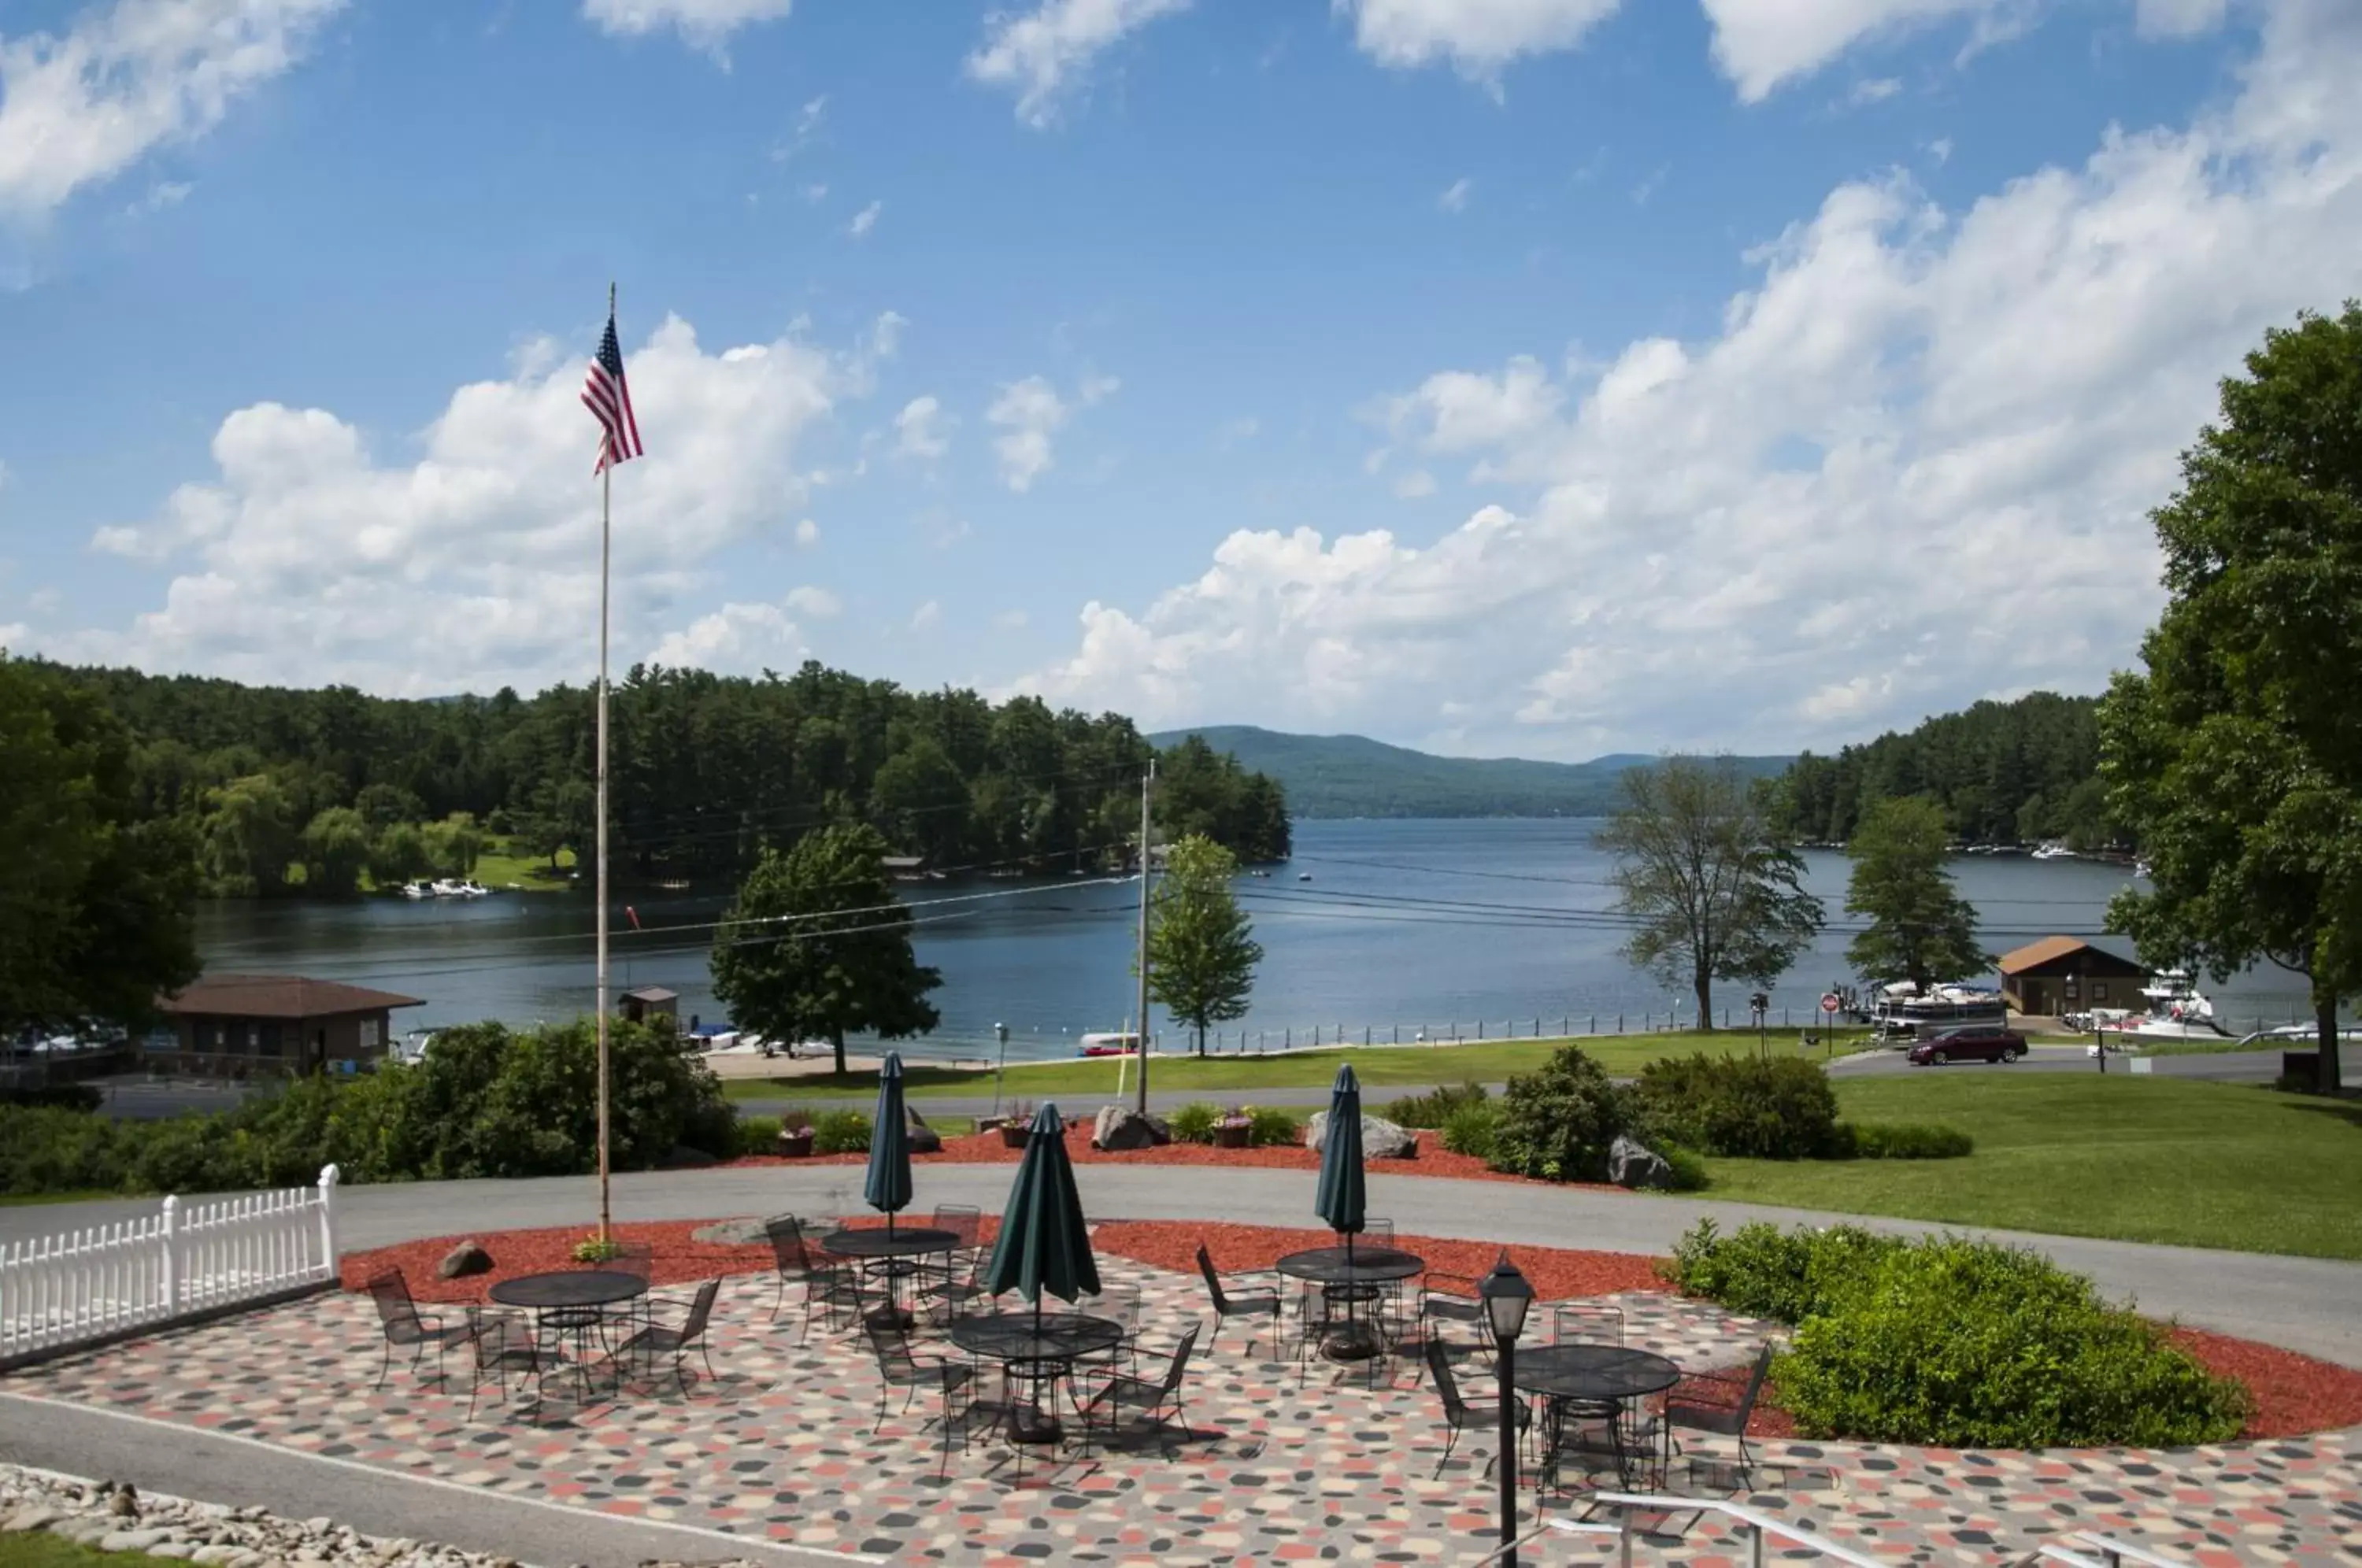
[{"x": 606, "y": 495}]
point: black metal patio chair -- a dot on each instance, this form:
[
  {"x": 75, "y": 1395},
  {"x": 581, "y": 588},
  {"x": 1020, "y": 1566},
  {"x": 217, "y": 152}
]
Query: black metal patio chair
[
  {"x": 1254, "y": 1303},
  {"x": 660, "y": 1338},
  {"x": 898, "y": 1368},
  {"x": 1154, "y": 1397},
  {"x": 403, "y": 1324},
  {"x": 1452, "y": 1299},
  {"x": 1459, "y": 1414},
  {"x": 1685, "y": 1410},
  {"x": 504, "y": 1346}
]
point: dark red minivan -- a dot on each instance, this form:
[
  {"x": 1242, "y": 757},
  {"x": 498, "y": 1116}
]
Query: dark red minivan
[{"x": 1978, "y": 1044}]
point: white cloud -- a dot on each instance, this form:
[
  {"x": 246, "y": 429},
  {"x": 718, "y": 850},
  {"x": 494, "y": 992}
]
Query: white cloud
[
  {"x": 817, "y": 602},
  {"x": 474, "y": 562},
  {"x": 2180, "y": 18},
  {"x": 79, "y": 108},
  {"x": 1875, "y": 89},
  {"x": 1477, "y": 38},
  {"x": 1046, "y": 54},
  {"x": 737, "y": 640},
  {"x": 706, "y": 24},
  {"x": 44, "y": 601},
  {"x": 865, "y": 220},
  {"x": 1455, "y": 196},
  {"x": 926, "y": 615},
  {"x": 807, "y": 533},
  {"x": 1029, "y": 414},
  {"x": 1416, "y": 485},
  {"x": 918, "y": 430},
  {"x": 1010, "y": 621},
  {"x": 162, "y": 194},
  {"x": 815, "y": 194},
  {"x": 1911, "y": 466}
]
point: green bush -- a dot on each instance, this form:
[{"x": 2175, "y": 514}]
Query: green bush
[
  {"x": 1194, "y": 1122},
  {"x": 759, "y": 1135},
  {"x": 1962, "y": 1344},
  {"x": 1765, "y": 1271},
  {"x": 1687, "y": 1167},
  {"x": 1902, "y": 1141},
  {"x": 52, "y": 1149},
  {"x": 794, "y": 1118},
  {"x": 1471, "y": 1130},
  {"x": 1267, "y": 1124},
  {"x": 57, "y": 1097},
  {"x": 1557, "y": 1123},
  {"x": 1435, "y": 1109},
  {"x": 1776, "y": 1108},
  {"x": 841, "y": 1132},
  {"x": 1954, "y": 1342}
]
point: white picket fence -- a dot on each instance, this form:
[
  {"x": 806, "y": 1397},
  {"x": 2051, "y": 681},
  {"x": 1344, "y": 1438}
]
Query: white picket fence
[{"x": 65, "y": 1289}]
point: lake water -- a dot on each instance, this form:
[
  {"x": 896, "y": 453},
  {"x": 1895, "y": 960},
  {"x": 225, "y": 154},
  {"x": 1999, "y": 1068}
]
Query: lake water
[{"x": 1404, "y": 925}]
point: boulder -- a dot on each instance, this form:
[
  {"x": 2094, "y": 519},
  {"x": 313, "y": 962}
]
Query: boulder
[
  {"x": 924, "y": 1140},
  {"x": 1381, "y": 1138},
  {"x": 467, "y": 1258},
  {"x": 1633, "y": 1164},
  {"x": 730, "y": 1233},
  {"x": 1120, "y": 1128}
]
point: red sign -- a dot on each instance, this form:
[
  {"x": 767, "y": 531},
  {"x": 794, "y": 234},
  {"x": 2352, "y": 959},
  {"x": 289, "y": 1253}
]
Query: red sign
[{"x": 1828, "y": 1001}]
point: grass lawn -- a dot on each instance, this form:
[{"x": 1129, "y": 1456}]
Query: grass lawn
[
  {"x": 498, "y": 869},
  {"x": 1377, "y": 1066},
  {"x": 39, "y": 1549},
  {"x": 2137, "y": 1159}
]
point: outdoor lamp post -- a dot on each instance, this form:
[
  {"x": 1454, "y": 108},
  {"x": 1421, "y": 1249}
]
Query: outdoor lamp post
[{"x": 1506, "y": 1295}]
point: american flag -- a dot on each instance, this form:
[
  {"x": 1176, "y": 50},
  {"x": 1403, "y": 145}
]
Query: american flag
[{"x": 610, "y": 402}]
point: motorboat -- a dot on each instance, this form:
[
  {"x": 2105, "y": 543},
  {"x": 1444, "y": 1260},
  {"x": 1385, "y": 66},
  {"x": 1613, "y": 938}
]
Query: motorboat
[
  {"x": 458, "y": 887},
  {"x": 411, "y": 1049},
  {"x": 1900, "y": 1012},
  {"x": 471, "y": 889},
  {"x": 2171, "y": 992},
  {"x": 1116, "y": 1045},
  {"x": 2054, "y": 850},
  {"x": 417, "y": 891},
  {"x": 2178, "y": 1009}
]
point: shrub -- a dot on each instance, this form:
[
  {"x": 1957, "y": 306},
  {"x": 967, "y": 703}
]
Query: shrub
[
  {"x": 597, "y": 1249},
  {"x": 1963, "y": 1344},
  {"x": 1557, "y": 1123},
  {"x": 50, "y": 1149},
  {"x": 1194, "y": 1122},
  {"x": 1687, "y": 1168},
  {"x": 1902, "y": 1141},
  {"x": 56, "y": 1097},
  {"x": 759, "y": 1135},
  {"x": 1435, "y": 1109},
  {"x": 1470, "y": 1129},
  {"x": 1778, "y": 1107},
  {"x": 1765, "y": 1271},
  {"x": 841, "y": 1132},
  {"x": 1268, "y": 1124},
  {"x": 794, "y": 1118}
]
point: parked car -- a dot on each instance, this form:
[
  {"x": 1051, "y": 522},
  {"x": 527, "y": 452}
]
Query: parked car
[{"x": 1969, "y": 1045}]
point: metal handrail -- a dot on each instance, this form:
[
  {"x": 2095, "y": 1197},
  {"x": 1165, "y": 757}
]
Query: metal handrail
[
  {"x": 2051, "y": 1551},
  {"x": 2113, "y": 1552},
  {"x": 1757, "y": 1524}
]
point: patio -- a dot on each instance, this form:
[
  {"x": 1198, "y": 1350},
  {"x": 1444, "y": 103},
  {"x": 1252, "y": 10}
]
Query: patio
[{"x": 780, "y": 1446}]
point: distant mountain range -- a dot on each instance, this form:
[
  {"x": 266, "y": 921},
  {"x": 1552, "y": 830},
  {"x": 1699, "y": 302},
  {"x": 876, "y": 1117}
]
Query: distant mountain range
[{"x": 1351, "y": 776}]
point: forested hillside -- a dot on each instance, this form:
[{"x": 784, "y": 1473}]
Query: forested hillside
[
  {"x": 2003, "y": 772},
  {"x": 1350, "y": 775},
  {"x": 318, "y": 790}
]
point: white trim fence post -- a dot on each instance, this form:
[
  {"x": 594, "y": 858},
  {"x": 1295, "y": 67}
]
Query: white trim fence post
[
  {"x": 169, "y": 1234},
  {"x": 328, "y": 1179}
]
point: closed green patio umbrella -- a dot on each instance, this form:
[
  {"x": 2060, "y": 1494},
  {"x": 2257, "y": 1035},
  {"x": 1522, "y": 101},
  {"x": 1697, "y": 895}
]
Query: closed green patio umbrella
[
  {"x": 1340, "y": 1199},
  {"x": 888, "y": 1190},
  {"x": 1043, "y": 1244}
]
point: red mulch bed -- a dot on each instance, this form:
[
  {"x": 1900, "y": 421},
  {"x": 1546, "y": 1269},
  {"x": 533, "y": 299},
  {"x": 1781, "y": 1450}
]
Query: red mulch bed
[
  {"x": 2294, "y": 1394},
  {"x": 986, "y": 1148}
]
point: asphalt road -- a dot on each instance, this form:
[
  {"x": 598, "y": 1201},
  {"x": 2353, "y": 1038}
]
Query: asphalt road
[{"x": 2225, "y": 1067}]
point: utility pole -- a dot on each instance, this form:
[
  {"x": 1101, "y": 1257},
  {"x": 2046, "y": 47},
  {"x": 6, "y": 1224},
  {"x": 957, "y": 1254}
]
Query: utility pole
[{"x": 1146, "y": 781}]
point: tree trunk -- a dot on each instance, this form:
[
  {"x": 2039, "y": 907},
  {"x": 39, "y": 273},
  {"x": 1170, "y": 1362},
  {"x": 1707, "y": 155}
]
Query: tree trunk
[
  {"x": 1704, "y": 982},
  {"x": 1201, "y": 1040},
  {"x": 837, "y": 1037},
  {"x": 2326, "y": 1079}
]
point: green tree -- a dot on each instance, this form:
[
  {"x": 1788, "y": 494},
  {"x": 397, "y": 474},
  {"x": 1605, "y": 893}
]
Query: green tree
[
  {"x": 1920, "y": 929},
  {"x": 2237, "y": 755},
  {"x": 1716, "y": 893},
  {"x": 1201, "y": 958},
  {"x": 94, "y": 903},
  {"x": 250, "y": 835},
  {"x": 335, "y": 849},
  {"x": 454, "y": 843},
  {"x": 398, "y": 854},
  {"x": 816, "y": 946}
]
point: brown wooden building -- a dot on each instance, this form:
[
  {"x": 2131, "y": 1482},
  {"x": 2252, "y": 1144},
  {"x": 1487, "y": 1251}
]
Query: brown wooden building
[
  {"x": 2067, "y": 974},
  {"x": 255, "y": 1026}
]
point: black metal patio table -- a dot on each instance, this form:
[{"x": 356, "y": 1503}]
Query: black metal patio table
[
  {"x": 1037, "y": 1349},
  {"x": 570, "y": 1305},
  {"x": 1351, "y": 1277},
  {"x": 1599, "y": 1377},
  {"x": 887, "y": 1254}
]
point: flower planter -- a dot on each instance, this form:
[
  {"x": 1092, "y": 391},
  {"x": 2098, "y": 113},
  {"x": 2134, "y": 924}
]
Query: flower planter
[
  {"x": 1014, "y": 1134},
  {"x": 1232, "y": 1135},
  {"x": 796, "y": 1143}
]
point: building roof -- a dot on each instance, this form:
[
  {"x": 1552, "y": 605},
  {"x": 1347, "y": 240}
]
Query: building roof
[
  {"x": 901, "y": 862},
  {"x": 278, "y": 996},
  {"x": 2050, "y": 949},
  {"x": 652, "y": 993}
]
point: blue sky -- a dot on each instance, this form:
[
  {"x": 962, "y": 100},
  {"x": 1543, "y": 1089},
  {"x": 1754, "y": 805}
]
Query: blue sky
[{"x": 1546, "y": 376}]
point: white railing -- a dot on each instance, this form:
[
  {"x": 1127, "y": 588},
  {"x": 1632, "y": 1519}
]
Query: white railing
[
  {"x": 78, "y": 1286},
  {"x": 2089, "y": 1549}
]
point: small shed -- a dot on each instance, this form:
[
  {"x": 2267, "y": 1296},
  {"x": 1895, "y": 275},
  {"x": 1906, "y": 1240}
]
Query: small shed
[
  {"x": 239, "y": 1026},
  {"x": 650, "y": 1003},
  {"x": 2067, "y": 974}
]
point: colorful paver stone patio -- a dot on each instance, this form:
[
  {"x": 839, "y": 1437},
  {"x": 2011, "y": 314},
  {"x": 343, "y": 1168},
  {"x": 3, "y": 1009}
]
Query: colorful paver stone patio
[{"x": 780, "y": 1446}]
